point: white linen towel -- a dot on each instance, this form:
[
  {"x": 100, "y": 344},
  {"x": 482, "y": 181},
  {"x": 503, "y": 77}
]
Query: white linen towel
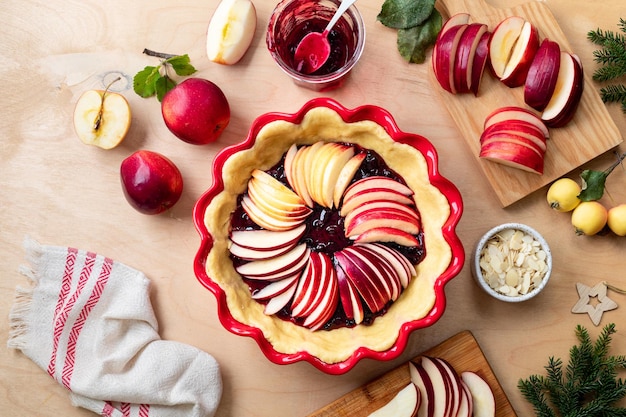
[{"x": 88, "y": 322}]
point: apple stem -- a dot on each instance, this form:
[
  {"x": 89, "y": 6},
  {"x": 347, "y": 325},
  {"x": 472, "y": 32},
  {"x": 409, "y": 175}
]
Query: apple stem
[
  {"x": 161, "y": 55},
  {"x": 98, "y": 121}
]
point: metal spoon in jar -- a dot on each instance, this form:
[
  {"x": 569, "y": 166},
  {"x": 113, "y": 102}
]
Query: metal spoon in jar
[{"x": 314, "y": 49}]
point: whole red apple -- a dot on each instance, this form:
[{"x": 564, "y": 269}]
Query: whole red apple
[
  {"x": 196, "y": 111},
  {"x": 151, "y": 182}
]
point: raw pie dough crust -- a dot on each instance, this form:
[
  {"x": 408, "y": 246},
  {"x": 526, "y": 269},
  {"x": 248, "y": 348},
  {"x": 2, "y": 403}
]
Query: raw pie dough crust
[{"x": 273, "y": 140}]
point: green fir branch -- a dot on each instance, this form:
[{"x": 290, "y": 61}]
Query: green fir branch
[
  {"x": 587, "y": 387},
  {"x": 612, "y": 60}
]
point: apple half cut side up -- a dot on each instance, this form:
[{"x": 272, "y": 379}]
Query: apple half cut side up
[
  {"x": 230, "y": 31},
  {"x": 404, "y": 404},
  {"x": 567, "y": 92},
  {"x": 102, "y": 118},
  {"x": 542, "y": 75}
]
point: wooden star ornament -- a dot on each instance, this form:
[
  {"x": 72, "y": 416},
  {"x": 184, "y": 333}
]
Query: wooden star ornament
[{"x": 604, "y": 302}]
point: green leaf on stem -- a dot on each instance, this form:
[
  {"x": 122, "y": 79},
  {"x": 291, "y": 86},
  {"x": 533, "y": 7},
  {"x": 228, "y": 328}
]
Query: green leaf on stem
[
  {"x": 413, "y": 42},
  {"x": 404, "y": 14}
]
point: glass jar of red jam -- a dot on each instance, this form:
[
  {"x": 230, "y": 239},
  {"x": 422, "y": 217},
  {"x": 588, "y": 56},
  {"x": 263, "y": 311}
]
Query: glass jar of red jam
[{"x": 291, "y": 20}]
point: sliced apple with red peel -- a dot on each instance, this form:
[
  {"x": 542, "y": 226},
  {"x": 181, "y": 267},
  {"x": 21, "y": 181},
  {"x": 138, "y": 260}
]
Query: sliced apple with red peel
[
  {"x": 248, "y": 254},
  {"x": 440, "y": 387},
  {"x": 456, "y": 19},
  {"x": 280, "y": 301},
  {"x": 346, "y": 176},
  {"x": 404, "y": 404},
  {"x": 404, "y": 268},
  {"x": 275, "y": 288},
  {"x": 377, "y": 218},
  {"x": 513, "y": 155},
  {"x": 364, "y": 196},
  {"x": 481, "y": 59},
  {"x": 466, "y": 408},
  {"x": 502, "y": 43},
  {"x": 379, "y": 205},
  {"x": 508, "y": 113},
  {"x": 266, "y": 240},
  {"x": 422, "y": 381},
  {"x": 444, "y": 54},
  {"x": 102, "y": 118},
  {"x": 521, "y": 57},
  {"x": 377, "y": 182},
  {"x": 465, "y": 54},
  {"x": 349, "y": 297},
  {"x": 339, "y": 157},
  {"x": 231, "y": 30},
  {"x": 542, "y": 75},
  {"x": 484, "y": 403},
  {"x": 567, "y": 92},
  {"x": 273, "y": 268},
  {"x": 388, "y": 235},
  {"x": 518, "y": 128}
]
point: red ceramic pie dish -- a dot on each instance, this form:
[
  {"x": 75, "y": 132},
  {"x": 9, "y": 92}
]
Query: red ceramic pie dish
[{"x": 454, "y": 247}]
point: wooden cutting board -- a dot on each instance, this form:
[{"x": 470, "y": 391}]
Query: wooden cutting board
[
  {"x": 461, "y": 350},
  {"x": 591, "y": 133}
]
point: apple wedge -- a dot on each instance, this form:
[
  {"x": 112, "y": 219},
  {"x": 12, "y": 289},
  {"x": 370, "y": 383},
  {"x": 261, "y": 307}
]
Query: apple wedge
[
  {"x": 346, "y": 176},
  {"x": 444, "y": 54},
  {"x": 456, "y": 19},
  {"x": 518, "y": 128},
  {"x": 481, "y": 58},
  {"x": 513, "y": 155},
  {"x": 266, "y": 240},
  {"x": 567, "y": 92},
  {"x": 231, "y": 30},
  {"x": 508, "y": 113},
  {"x": 521, "y": 58},
  {"x": 502, "y": 43},
  {"x": 484, "y": 403},
  {"x": 280, "y": 301},
  {"x": 422, "y": 382},
  {"x": 275, "y": 288},
  {"x": 404, "y": 404},
  {"x": 349, "y": 297},
  {"x": 465, "y": 54},
  {"x": 277, "y": 267},
  {"x": 542, "y": 75}
]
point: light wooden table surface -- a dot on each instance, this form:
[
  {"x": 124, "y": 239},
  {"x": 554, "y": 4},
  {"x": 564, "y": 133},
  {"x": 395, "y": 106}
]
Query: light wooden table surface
[{"x": 61, "y": 192}]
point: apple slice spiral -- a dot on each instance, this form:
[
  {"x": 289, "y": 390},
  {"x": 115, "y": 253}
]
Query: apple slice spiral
[{"x": 361, "y": 276}]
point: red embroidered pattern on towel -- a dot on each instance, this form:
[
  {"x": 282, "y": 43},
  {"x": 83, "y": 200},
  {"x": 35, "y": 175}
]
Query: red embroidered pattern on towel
[
  {"x": 65, "y": 305},
  {"x": 108, "y": 410}
]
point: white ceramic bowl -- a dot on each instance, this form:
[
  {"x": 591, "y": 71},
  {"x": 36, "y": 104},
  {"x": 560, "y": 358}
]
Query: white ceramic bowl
[{"x": 542, "y": 256}]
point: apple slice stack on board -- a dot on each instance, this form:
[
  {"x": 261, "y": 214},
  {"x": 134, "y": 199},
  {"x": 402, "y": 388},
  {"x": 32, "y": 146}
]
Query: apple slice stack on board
[
  {"x": 552, "y": 80},
  {"x": 437, "y": 390}
]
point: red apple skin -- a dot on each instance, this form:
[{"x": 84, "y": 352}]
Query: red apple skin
[
  {"x": 196, "y": 111},
  {"x": 481, "y": 61},
  {"x": 542, "y": 75},
  {"x": 151, "y": 182},
  {"x": 518, "y": 76}
]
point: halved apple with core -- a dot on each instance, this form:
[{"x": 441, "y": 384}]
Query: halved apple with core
[{"x": 102, "y": 118}]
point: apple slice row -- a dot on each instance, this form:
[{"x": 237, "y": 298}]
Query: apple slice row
[
  {"x": 380, "y": 209},
  {"x": 445, "y": 393},
  {"x": 319, "y": 173},
  {"x": 460, "y": 55},
  {"x": 376, "y": 272},
  {"x": 515, "y": 137},
  {"x": 272, "y": 205}
]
